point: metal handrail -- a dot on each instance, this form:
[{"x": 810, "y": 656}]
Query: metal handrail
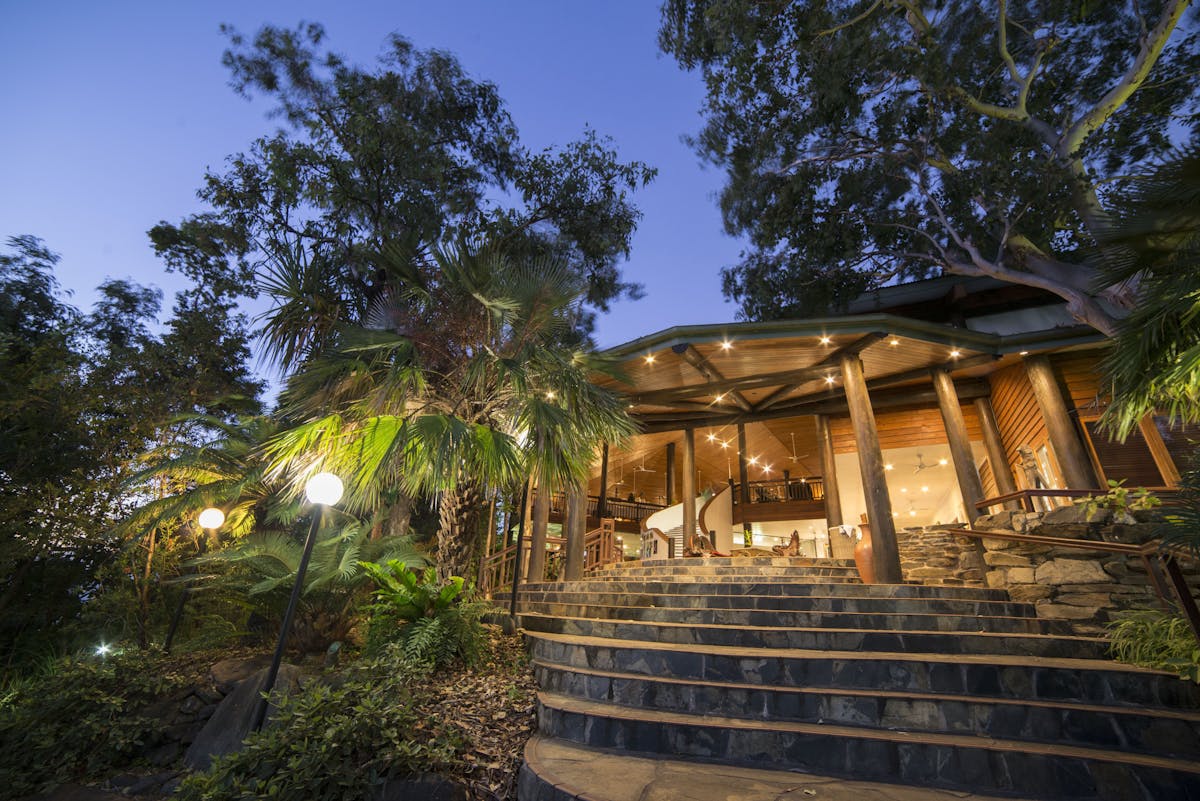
[{"x": 1171, "y": 588}]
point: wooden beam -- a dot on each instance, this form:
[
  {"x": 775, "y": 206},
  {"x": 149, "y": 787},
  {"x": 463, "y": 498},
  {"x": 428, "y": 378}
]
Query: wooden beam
[
  {"x": 969, "y": 485},
  {"x": 997, "y": 456},
  {"x": 670, "y": 477},
  {"x": 706, "y": 369},
  {"x": 833, "y": 498},
  {"x": 688, "y": 488},
  {"x": 923, "y": 372},
  {"x": 820, "y": 368},
  {"x": 1158, "y": 450},
  {"x": 1064, "y": 437},
  {"x": 884, "y": 546}
]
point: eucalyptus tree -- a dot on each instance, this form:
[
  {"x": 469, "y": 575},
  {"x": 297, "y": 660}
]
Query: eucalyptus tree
[
  {"x": 459, "y": 381},
  {"x": 871, "y": 140}
]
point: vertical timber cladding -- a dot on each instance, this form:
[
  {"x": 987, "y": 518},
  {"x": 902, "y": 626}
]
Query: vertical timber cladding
[
  {"x": 1019, "y": 418},
  {"x": 905, "y": 428}
]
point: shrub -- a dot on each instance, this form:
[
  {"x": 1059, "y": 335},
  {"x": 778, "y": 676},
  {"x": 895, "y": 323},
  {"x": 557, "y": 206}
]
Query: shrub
[
  {"x": 1120, "y": 501},
  {"x": 329, "y": 743},
  {"x": 432, "y": 622},
  {"x": 80, "y": 719},
  {"x": 1154, "y": 639}
]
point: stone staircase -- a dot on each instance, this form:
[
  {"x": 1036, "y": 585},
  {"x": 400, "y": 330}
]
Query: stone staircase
[{"x": 746, "y": 673}]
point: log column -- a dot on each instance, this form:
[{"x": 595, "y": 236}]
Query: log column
[
  {"x": 969, "y": 485},
  {"x": 575, "y": 524},
  {"x": 602, "y": 498},
  {"x": 885, "y": 549},
  {"x": 744, "y": 477},
  {"x": 997, "y": 457},
  {"x": 537, "y": 540},
  {"x": 1072, "y": 456},
  {"x": 688, "y": 490},
  {"x": 839, "y": 547},
  {"x": 670, "y": 474}
]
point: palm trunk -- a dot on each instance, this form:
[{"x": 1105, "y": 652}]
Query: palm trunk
[{"x": 458, "y": 533}]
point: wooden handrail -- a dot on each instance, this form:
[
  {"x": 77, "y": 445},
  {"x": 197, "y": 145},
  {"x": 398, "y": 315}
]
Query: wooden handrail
[
  {"x": 1026, "y": 496},
  {"x": 1171, "y": 588}
]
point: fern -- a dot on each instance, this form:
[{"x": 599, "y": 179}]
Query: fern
[{"x": 1156, "y": 640}]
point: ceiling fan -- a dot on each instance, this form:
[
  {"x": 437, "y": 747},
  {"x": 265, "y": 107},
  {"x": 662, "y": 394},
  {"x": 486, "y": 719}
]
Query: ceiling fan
[
  {"x": 796, "y": 457},
  {"x": 922, "y": 466},
  {"x": 642, "y": 467}
]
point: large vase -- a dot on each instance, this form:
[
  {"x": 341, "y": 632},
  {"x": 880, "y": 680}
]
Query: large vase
[{"x": 863, "y": 556}]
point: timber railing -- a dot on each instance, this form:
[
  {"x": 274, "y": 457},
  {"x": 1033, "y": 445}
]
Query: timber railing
[
  {"x": 1162, "y": 566},
  {"x": 601, "y": 547},
  {"x": 1027, "y": 497},
  {"x": 613, "y": 507},
  {"x": 781, "y": 490}
]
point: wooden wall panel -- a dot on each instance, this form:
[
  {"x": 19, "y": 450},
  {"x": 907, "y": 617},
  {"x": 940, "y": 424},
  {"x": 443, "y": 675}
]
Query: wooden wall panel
[
  {"x": 1017, "y": 415},
  {"x": 1079, "y": 376},
  {"x": 904, "y": 428}
]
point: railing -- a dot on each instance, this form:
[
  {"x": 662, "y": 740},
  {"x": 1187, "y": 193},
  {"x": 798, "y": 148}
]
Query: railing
[
  {"x": 1162, "y": 566},
  {"x": 781, "y": 490},
  {"x": 1027, "y": 497},
  {"x": 657, "y": 545},
  {"x": 601, "y": 547},
  {"x": 613, "y": 507}
]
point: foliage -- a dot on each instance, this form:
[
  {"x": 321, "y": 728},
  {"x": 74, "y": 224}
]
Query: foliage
[
  {"x": 433, "y": 622},
  {"x": 869, "y": 140},
  {"x": 413, "y": 150},
  {"x": 336, "y": 742},
  {"x": 460, "y": 381},
  {"x": 84, "y": 396},
  {"x": 1180, "y": 529},
  {"x": 1153, "y": 242},
  {"x": 1120, "y": 501},
  {"x": 1157, "y": 640},
  {"x": 81, "y": 718},
  {"x": 263, "y": 567}
]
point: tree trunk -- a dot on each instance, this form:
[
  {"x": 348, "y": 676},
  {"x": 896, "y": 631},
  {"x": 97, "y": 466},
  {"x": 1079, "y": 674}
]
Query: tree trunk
[
  {"x": 458, "y": 531},
  {"x": 399, "y": 516}
]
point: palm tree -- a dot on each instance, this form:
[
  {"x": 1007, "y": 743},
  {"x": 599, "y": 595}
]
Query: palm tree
[
  {"x": 458, "y": 380},
  {"x": 1153, "y": 242}
]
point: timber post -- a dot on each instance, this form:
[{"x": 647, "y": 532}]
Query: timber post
[
  {"x": 670, "y": 475},
  {"x": 885, "y": 548},
  {"x": 833, "y": 500},
  {"x": 744, "y": 477},
  {"x": 1068, "y": 448},
  {"x": 997, "y": 457},
  {"x": 969, "y": 484},
  {"x": 602, "y": 496},
  {"x": 688, "y": 490}
]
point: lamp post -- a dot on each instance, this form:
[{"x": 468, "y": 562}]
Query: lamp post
[
  {"x": 323, "y": 489},
  {"x": 211, "y": 519}
]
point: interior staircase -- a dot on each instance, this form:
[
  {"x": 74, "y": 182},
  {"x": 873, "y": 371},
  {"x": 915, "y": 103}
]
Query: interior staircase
[{"x": 789, "y": 678}]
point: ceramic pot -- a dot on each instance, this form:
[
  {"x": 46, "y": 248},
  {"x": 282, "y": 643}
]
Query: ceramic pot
[{"x": 862, "y": 557}]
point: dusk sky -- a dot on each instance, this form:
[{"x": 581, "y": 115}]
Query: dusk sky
[{"x": 116, "y": 109}]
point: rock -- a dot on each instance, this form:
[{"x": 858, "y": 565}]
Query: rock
[
  {"x": 424, "y": 787},
  {"x": 1000, "y": 520},
  {"x": 1075, "y": 513},
  {"x": 78, "y": 792},
  {"x": 191, "y": 705},
  {"x": 991, "y": 544},
  {"x": 232, "y": 671},
  {"x": 229, "y": 725},
  {"x": 1070, "y": 571},
  {"x": 1005, "y": 559},
  {"x": 1020, "y": 575},
  {"x": 930, "y": 572},
  {"x": 1066, "y": 611},
  {"x": 1028, "y": 593},
  {"x": 1084, "y": 598},
  {"x": 997, "y": 579}
]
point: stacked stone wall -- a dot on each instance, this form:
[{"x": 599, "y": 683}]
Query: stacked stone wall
[
  {"x": 936, "y": 557},
  {"x": 1088, "y": 587}
]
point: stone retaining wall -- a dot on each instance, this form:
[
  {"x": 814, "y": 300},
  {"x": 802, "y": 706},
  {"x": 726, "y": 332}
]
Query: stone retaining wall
[{"x": 933, "y": 556}]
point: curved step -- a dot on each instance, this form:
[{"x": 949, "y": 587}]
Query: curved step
[
  {"x": 556, "y": 770},
  {"x": 1165, "y": 732},
  {"x": 951, "y": 761},
  {"x": 1001, "y": 676},
  {"x": 776, "y": 637},
  {"x": 732, "y": 561},
  {"x": 802, "y": 618},
  {"x": 772, "y": 587}
]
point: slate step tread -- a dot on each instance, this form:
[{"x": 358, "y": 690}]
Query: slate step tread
[
  {"x": 596, "y": 709},
  {"x": 958, "y": 643},
  {"x": 568, "y": 771},
  {"x": 839, "y": 589},
  {"x": 1159, "y": 712}
]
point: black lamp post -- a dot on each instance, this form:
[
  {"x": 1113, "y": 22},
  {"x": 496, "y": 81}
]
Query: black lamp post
[{"x": 323, "y": 489}]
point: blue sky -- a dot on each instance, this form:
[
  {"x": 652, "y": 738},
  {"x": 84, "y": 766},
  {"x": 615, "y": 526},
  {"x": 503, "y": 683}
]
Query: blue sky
[{"x": 114, "y": 110}]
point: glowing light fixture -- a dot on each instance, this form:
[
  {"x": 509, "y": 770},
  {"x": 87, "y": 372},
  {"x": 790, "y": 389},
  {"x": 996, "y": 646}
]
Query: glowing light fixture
[
  {"x": 954, "y": 354},
  {"x": 103, "y": 649},
  {"x": 724, "y": 444},
  {"x": 211, "y": 518},
  {"x": 825, "y": 340},
  {"x": 894, "y": 342},
  {"x": 1023, "y": 353},
  {"x": 726, "y": 344},
  {"x": 912, "y": 513},
  {"x": 943, "y": 462},
  {"x": 324, "y": 488},
  {"x": 889, "y": 467},
  {"x": 753, "y": 460},
  {"x": 649, "y": 358},
  {"x": 924, "y": 489},
  {"x": 719, "y": 398},
  {"x": 904, "y": 489},
  {"x": 712, "y": 437},
  {"x": 550, "y": 395},
  {"x": 830, "y": 379}
]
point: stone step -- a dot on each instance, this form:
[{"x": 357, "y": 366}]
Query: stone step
[
  {"x": 556, "y": 770},
  {"x": 995, "y": 676},
  {"x": 699, "y": 571},
  {"x": 805, "y": 575},
  {"x": 797, "y": 603},
  {"x": 950, "y": 761},
  {"x": 771, "y": 587},
  {"x": 1170, "y": 733},
  {"x": 800, "y": 618},
  {"x": 878, "y": 640}
]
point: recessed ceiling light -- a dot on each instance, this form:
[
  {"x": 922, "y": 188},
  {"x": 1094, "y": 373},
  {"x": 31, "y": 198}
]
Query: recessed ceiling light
[
  {"x": 924, "y": 489},
  {"x": 825, "y": 340},
  {"x": 726, "y": 344},
  {"x": 829, "y": 379},
  {"x": 889, "y": 467},
  {"x": 943, "y": 462},
  {"x": 753, "y": 460},
  {"x": 1023, "y": 353},
  {"x": 911, "y": 513},
  {"x": 719, "y": 398},
  {"x": 904, "y": 489},
  {"x": 954, "y": 354},
  {"x": 649, "y": 358},
  {"x": 894, "y": 341},
  {"x": 712, "y": 437},
  {"x": 724, "y": 445}
]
